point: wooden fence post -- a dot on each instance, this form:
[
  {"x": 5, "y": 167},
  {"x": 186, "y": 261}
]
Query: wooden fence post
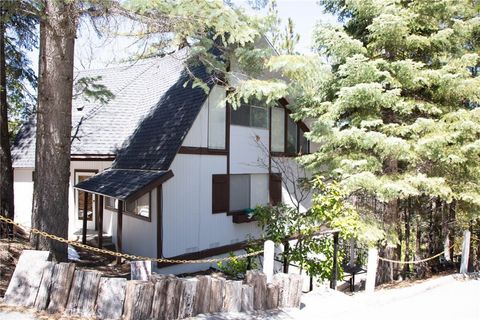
[
  {"x": 268, "y": 255},
  {"x": 465, "y": 252},
  {"x": 371, "y": 270}
]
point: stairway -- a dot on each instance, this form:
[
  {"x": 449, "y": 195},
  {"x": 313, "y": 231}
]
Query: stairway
[{"x": 107, "y": 242}]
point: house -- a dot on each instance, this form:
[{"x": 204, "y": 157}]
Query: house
[{"x": 166, "y": 169}]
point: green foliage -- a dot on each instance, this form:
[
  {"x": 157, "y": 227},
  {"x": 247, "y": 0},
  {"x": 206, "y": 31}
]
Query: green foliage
[
  {"x": 214, "y": 32},
  {"x": 237, "y": 267},
  {"x": 91, "y": 89},
  {"x": 312, "y": 250},
  {"x": 20, "y": 38},
  {"x": 394, "y": 96}
]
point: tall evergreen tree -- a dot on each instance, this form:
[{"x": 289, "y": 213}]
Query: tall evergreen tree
[
  {"x": 17, "y": 36},
  {"x": 396, "y": 114},
  {"x": 203, "y": 23},
  {"x": 58, "y": 26}
]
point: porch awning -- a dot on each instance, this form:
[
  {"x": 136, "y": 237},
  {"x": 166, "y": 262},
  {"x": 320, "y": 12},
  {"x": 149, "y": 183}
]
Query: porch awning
[{"x": 124, "y": 184}]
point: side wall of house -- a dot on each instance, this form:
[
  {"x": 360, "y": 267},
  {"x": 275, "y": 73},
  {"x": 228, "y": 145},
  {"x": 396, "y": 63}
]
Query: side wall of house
[
  {"x": 139, "y": 236},
  {"x": 189, "y": 226},
  {"x": 23, "y": 195},
  {"x": 78, "y": 169}
]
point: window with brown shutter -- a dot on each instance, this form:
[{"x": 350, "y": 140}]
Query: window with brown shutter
[
  {"x": 220, "y": 194},
  {"x": 275, "y": 188}
]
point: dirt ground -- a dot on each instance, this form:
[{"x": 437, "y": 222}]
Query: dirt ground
[{"x": 10, "y": 251}]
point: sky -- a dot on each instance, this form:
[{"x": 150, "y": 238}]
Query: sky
[
  {"x": 92, "y": 52},
  {"x": 305, "y": 14}
]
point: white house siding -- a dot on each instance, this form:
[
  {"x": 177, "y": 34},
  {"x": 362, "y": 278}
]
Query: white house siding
[
  {"x": 197, "y": 135},
  {"x": 23, "y": 193},
  {"x": 248, "y": 150},
  {"x": 188, "y": 222},
  {"x": 140, "y": 236},
  {"x": 74, "y": 223},
  {"x": 291, "y": 172}
]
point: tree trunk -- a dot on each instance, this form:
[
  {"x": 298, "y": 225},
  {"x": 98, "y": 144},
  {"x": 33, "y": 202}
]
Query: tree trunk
[
  {"x": 406, "y": 267},
  {"x": 54, "y": 121},
  {"x": 451, "y": 221},
  {"x": 6, "y": 170},
  {"x": 421, "y": 269}
]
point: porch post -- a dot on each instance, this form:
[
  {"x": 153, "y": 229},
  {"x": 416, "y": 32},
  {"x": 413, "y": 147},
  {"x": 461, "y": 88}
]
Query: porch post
[
  {"x": 100, "y": 220},
  {"x": 85, "y": 217},
  {"x": 119, "y": 228}
]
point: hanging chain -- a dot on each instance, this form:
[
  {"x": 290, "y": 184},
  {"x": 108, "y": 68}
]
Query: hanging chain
[{"x": 125, "y": 255}]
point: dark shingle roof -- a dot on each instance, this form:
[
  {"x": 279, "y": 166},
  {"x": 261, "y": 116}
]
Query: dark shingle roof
[
  {"x": 158, "y": 137},
  {"x": 148, "y": 93},
  {"x": 124, "y": 184},
  {"x": 23, "y": 151}
]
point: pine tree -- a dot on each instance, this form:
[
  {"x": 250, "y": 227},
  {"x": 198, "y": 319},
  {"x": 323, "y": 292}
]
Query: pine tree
[
  {"x": 204, "y": 23},
  {"x": 396, "y": 114},
  {"x": 16, "y": 37}
]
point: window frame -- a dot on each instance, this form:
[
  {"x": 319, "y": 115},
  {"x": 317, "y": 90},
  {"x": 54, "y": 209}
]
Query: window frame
[
  {"x": 250, "y": 119},
  {"x": 129, "y": 213},
  {"x": 230, "y": 193},
  {"x": 299, "y": 136},
  {"x": 226, "y": 124},
  {"x": 216, "y": 178},
  {"x": 76, "y": 195}
]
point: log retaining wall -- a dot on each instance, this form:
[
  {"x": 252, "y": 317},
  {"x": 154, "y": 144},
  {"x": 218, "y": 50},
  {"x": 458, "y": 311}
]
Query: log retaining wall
[{"x": 61, "y": 288}]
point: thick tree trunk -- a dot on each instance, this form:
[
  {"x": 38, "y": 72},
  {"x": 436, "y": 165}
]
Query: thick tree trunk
[
  {"x": 54, "y": 121},
  {"x": 6, "y": 170}
]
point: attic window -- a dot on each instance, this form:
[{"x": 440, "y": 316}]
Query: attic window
[{"x": 217, "y": 115}]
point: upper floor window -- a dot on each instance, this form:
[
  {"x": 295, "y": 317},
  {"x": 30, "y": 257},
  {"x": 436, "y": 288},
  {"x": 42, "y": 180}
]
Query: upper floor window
[
  {"x": 287, "y": 135},
  {"x": 278, "y": 130},
  {"x": 217, "y": 115},
  {"x": 253, "y": 114},
  {"x": 292, "y": 136}
]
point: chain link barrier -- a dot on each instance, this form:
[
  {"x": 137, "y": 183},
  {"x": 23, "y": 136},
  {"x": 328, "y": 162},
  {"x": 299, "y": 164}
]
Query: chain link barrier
[
  {"x": 174, "y": 261},
  {"x": 415, "y": 261},
  {"x": 125, "y": 255}
]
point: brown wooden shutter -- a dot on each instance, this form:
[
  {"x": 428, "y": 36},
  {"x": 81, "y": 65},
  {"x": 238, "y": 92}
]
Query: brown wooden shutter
[
  {"x": 220, "y": 193},
  {"x": 275, "y": 188}
]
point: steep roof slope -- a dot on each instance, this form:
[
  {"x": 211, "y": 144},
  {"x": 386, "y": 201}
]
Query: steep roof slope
[{"x": 144, "y": 124}]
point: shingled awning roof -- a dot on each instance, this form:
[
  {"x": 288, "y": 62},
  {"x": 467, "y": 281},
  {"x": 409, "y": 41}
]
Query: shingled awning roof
[{"x": 124, "y": 185}]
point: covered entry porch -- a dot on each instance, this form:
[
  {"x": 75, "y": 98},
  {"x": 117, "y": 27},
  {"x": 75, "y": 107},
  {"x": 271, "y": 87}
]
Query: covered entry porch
[{"x": 115, "y": 189}]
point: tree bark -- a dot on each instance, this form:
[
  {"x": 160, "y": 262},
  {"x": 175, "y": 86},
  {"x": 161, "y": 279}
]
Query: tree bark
[
  {"x": 451, "y": 221},
  {"x": 406, "y": 267},
  {"x": 54, "y": 122},
  {"x": 6, "y": 170}
]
